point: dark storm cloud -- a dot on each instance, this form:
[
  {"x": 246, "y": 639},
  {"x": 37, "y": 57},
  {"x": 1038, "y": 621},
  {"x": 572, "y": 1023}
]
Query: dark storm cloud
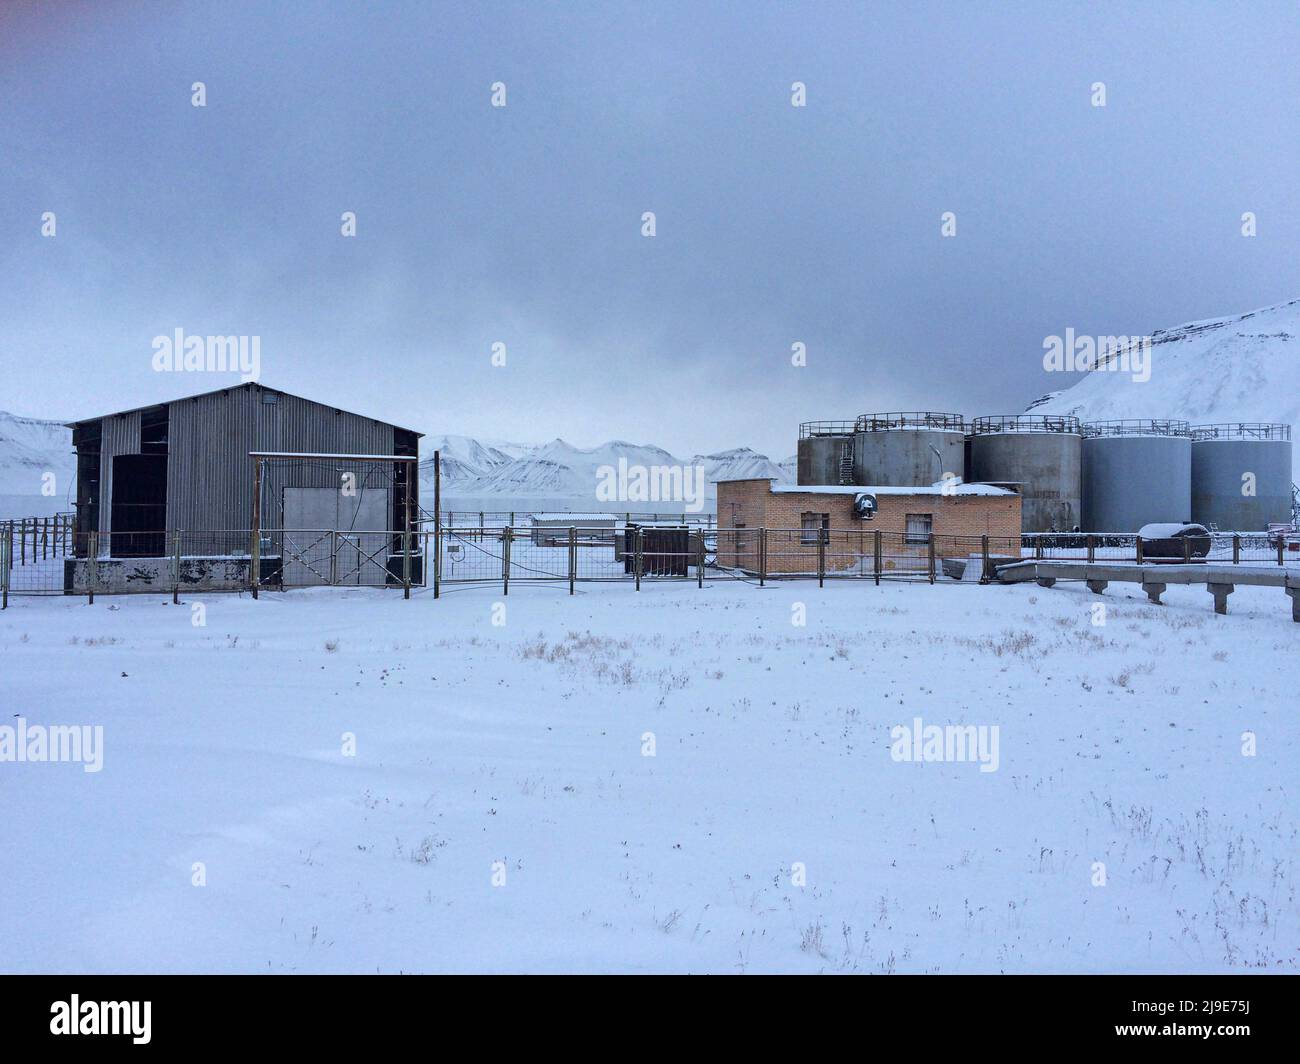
[{"x": 522, "y": 224}]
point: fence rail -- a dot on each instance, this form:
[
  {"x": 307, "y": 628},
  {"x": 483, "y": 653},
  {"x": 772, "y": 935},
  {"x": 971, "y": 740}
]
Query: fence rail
[{"x": 172, "y": 562}]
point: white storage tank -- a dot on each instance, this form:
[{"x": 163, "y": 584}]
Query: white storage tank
[
  {"x": 1136, "y": 472},
  {"x": 825, "y": 454},
  {"x": 1040, "y": 456},
  {"x": 1241, "y": 476},
  {"x": 908, "y": 449}
]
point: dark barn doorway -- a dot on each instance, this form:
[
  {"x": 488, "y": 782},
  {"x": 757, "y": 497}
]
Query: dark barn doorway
[{"x": 139, "y": 511}]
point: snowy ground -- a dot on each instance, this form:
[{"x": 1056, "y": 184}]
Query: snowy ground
[{"x": 516, "y": 750}]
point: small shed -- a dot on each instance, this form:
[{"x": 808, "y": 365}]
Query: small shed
[
  {"x": 552, "y": 529},
  {"x": 666, "y": 549}
]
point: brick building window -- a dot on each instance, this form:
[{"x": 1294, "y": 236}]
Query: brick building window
[
  {"x": 813, "y": 528},
  {"x": 919, "y": 527}
]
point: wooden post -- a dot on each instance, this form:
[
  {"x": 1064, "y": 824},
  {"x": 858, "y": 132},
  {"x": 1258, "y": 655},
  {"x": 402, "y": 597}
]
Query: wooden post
[
  {"x": 876, "y": 559},
  {"x": 931, "y": 558},
  {"x": 984, "y": 554},
  {"x": 1138, "y": 549},
  {"x": 255, "y": 536},
  {"x": 1038, "y": 546},
  {"x": 1092, "y": 549},
  {"x": 506, "y": 536},
  {"x": 176, "y": 567},
  {"x": 573, "y": 557},
  {"x": 1187, "y": 549},
  {"x": 1281, "y": 547}
]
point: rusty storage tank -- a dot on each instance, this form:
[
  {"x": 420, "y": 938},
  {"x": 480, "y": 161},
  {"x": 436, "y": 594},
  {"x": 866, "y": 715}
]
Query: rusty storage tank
[
  {"x": 1135, "y": 473},
  {"x": 908, "y": 449},
  {"x": 1241, "y": 475},
  {"x": 1040, "y": 455},
  {"x": 825, "y": 452}
]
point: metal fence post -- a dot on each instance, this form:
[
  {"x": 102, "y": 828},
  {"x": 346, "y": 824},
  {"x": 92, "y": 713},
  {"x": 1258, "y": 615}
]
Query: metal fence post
[
  {"x": 6, "y": 561},
  {"x": 984, "y": 554},
  {"x": 505, "y": 560},
  {"x": 821, "y": 559},
  {"x": 437, "y": 559},
  {"x": 1281, "y": 547},
  {"x": 573, "y": 557},
  {"x": 176, "y": 567},
  {"x": 1092, "y": 548},
  {"x": 1236, "y": 548},
  {"x": 876, "y": 557},
  {"x": 22, "y": 541},
  {"x": 931, "y": 558},
  {"x": 92, "y": 566},
  {"x": 1137, "y": 546},
  {"x": 1038, "y": 547},
  {"x": 638, "y": 560},
  {"x": 699, "y": 558},
  {"x": 406, "y": 562},
  {"x": 762, "y": 556}
]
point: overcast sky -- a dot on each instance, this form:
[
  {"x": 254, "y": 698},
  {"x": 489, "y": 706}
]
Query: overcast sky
[{"x": 522, "y": 224}]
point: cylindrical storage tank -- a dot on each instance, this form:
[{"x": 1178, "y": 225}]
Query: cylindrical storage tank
[
  {"x": 1136, "y": 473},
  {"x": 1241, "y": 476},
  {"x": 1040, "y": 456},
  {"x": 825, "y": 452},
  {"x": 908, "y": 449}
]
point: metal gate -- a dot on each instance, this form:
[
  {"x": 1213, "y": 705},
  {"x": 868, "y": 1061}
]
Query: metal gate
[{"x": 340, "y": 558}]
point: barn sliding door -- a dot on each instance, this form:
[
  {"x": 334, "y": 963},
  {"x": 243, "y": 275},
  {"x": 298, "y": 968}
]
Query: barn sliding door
[{"x": 138, "y": 516}]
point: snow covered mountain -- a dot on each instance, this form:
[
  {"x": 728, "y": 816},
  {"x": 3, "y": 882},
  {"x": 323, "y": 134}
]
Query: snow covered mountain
[
  {"x": 1243, "y": 367},
  {"x": 30, "y": 448},
  {"x": 560, "y": 471},
  {"x": 494, "y": 474},
  {"x": 464, "y": 458},
  {"x": 740, "y": 463}
]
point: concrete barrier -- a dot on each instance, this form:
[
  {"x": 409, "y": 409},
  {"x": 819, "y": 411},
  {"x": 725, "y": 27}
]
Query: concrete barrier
[{"x": 1219, "y": 580}]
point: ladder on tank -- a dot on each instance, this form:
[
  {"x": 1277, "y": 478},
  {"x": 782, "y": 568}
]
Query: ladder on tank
[{"x": 846, "y": 462}]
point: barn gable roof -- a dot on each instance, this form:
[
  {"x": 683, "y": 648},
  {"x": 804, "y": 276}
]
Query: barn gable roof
[{"x": 232, "y": 388}]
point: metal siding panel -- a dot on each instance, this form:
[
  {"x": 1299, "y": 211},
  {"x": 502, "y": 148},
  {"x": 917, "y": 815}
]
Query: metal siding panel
[
  {"x": 120, "y": 435},
  {"x": 210, "y": 475}
]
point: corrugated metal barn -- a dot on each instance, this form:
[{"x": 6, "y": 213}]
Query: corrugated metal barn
[{"x": 184, "y": 465}]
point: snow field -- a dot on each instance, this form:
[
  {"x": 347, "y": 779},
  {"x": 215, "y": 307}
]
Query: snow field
[{"x": 500, "y": 813}]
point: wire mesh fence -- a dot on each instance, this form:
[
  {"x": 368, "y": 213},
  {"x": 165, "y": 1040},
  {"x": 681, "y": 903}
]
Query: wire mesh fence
[{"x": 56, "y": 559}]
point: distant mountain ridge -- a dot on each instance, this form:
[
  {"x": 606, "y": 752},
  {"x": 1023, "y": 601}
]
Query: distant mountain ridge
[
  {"x": 556, "y": 473},
  {"x": 1241, "y": 367},
  {"x": 560, "y": 470},
  {"x": 30, "y": 448}
]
